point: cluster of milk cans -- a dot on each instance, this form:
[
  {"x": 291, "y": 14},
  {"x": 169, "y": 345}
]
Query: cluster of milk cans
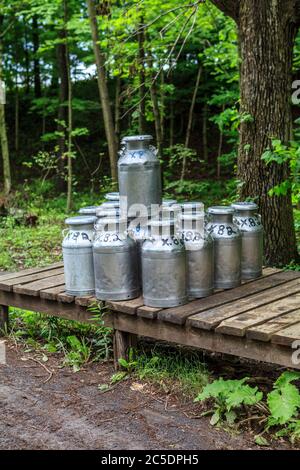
[{"x": 136, "y": 243}]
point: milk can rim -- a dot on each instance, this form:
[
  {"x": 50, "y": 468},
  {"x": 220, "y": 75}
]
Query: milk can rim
[
  {"x": 112, "y": 196},
  {"x": 221, "y": 210},
  {"x": 244, "y": 206},
  {"x": 81, "y": 220},
  {"x": 132, "y": 138}
]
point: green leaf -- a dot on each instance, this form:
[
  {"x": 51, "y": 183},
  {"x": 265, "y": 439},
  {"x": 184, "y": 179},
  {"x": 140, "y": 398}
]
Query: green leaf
[
  {"x": 261, "y": 441},
  {"x": 283, "y": 403},
  {"x": 123, "y": 363},
  {"x": 215, "y": 418},
  {"x": 118, "y": 377}
]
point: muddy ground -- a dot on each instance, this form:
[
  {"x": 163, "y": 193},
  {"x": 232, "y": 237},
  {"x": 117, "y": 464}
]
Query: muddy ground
[{"x": 66, "y": 410}]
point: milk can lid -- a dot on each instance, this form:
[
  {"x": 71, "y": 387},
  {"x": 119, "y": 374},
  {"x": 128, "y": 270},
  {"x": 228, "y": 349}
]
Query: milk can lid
[
  {"x": 245, "y": 206},
  {"x": 132, "y": 138},
  {"x": 81, "y": 220},
  {"x": 190, "y": 205},
  {"x": 114, "y": 196},
  {"x": 162, "y": 222},
  {"x": 88, "y": 210},
  {"x": 192, "y": 217},
  {"x": 169, "y": 202},
  {"x": 110, "y": 205},
  {"x": 220, "y": 210},
  {"x": 110, "y": 212}
]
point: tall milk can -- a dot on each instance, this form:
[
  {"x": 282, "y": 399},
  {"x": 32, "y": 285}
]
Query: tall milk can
[
  {"x": 139, "y": 175},
  {"x": 199, "y": 253},
  {"x": 164, "y": 266},
  {"x": 78, "y": 255},
  {"x": 249, "y": 223},
  {"x": 115, "y": 261},
  {"x": 227, "y": 247}
]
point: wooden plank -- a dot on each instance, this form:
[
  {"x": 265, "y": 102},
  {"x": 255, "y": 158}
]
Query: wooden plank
[
  {"x": 126, "y": 306},
  {"x": 65, "y": 298},
  {"x": 270, "y": 271},
  {"x": 265, "y": 331},
  {"x": 205, "y": 340},
  {"x": 239, "y": 324},
  {"x": 10, "y": 283},
  {"x": 179, "y": 315},
  {"x": 52, "y": 292},
  {"x": 85, "y": 301},
  {"x": 34, "y": 288},
  {"x": 287, "y": 336},
  {"x": 211, "y": 318},
  {"x": 148, "y": 312},
  {"x": 49, "y": 307},
  {"x": 27, "y": 272}
]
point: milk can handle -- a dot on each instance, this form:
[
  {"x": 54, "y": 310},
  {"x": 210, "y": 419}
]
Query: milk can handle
[
  {"x": 153, "y": 149},
  {"x": 64, "y": 231},
  {"x": 122, "y": 150}
]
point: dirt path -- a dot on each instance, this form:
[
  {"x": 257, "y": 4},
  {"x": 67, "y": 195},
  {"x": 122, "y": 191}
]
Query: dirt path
[{"x": 69, "y": 412}]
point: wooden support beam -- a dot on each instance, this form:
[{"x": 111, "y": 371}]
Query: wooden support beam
[
  {"x": 123, "y": 342},
  {"x": 3, "y": 319}
]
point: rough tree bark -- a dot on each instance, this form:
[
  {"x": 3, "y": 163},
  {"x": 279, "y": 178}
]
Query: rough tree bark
[
  {"x": 118, "y": 96},
  {"x": 70, "y": 121},
  {"x": 142, "y": 78},
  {"x": 266, "y": 29},
  {"x": 204, "y": 131},
  {"x": 62, "y": 117},
  {"x": 103, "y": 91},
  {"x": 36, "y": 61},
  {"x": 190, "y": 120},
  {"x": 3, "y": 132}
]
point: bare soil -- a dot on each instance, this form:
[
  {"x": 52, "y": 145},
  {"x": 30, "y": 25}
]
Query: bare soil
[{"x": 66, "y": 410}]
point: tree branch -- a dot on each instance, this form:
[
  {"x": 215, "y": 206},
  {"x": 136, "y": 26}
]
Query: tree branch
[{"x": 229, "y": 7}]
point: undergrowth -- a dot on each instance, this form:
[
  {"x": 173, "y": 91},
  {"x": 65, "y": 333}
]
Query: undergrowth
[{"x": 77, "y": 343}]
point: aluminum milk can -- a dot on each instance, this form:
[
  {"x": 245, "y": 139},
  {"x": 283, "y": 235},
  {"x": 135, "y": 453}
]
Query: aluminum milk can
[
  {"x": 168, "y": 202},
  {"x": 139, "y": 233},
  {"x": 227, "y": 247},
  {"x": 164, "y": 266},
  {"x": 139, "y": 175},
  {"x": 249, "y": 223},
  {"x": 192, "y": 207},
  {"x": 115, "y": 196},
  {"x": 115, "y": 261},
  {"x": 88, "y": 210},
  {"x": 78, "y": 255},
  {"x": 199, "y": 253}
]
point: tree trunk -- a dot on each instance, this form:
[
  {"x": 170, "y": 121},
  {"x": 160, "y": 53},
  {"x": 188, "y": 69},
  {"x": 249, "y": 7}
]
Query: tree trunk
[
  {"x": 190, "y": 120},
  {"x": 3, "y": 132},
  {"x": 204, "y": 132},
  {"x": 155, "y": 107},
  {"x": 118, "y": 108},
  {"x": 266, "y": 37},
  {"x": 27, "y": 60},
  {"x": 162, "y": 105},
  {"x": 103, "y": 91},
  {"x": 156, "y": 113},
  {"x": 220, "y": 146},
  {"x": 36, "y": 62},
  {"x": 171, "y": 122},
  {"x": 17, "y": 109},
  {"x": 62, "y": 68},
  {"x": 70, "y": 121},
  {"x": 142, "y": 78},
  {"x": 267, "y": 30}
]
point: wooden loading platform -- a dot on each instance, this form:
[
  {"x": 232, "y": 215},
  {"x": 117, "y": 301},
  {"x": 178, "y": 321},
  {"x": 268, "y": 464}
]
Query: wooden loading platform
[{"x": 259, "y": 320}]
